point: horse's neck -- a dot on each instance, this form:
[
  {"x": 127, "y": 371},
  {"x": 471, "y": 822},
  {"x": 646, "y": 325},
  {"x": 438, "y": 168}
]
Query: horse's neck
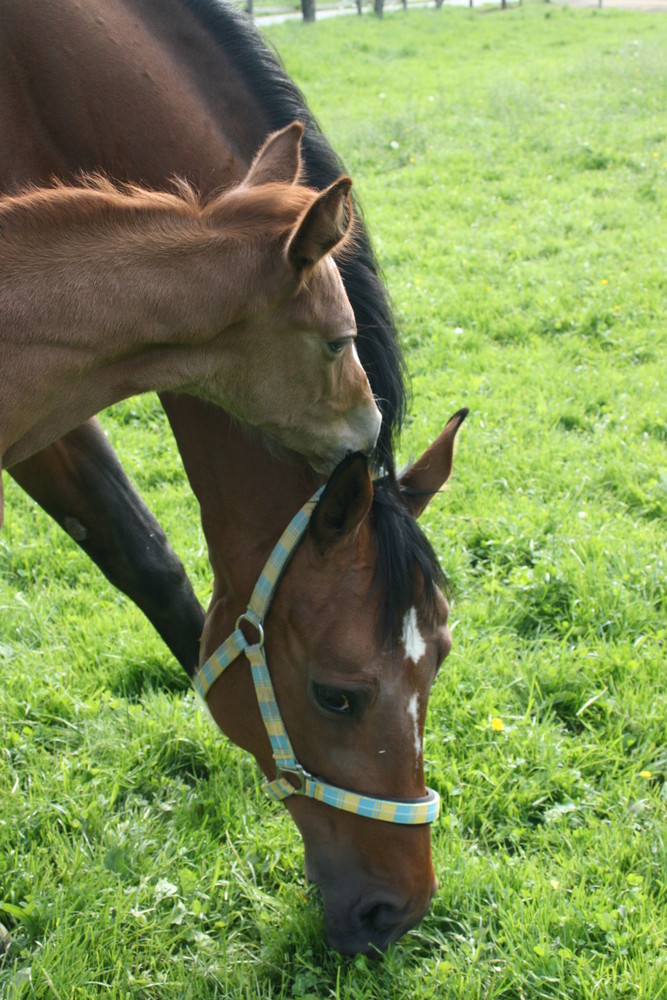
[
  {"x": 247, "y": 493},
  {"x": 100, "y": 308}
]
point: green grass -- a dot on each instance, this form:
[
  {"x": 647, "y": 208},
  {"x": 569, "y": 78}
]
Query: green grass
[{"x": 513, "y": 171}]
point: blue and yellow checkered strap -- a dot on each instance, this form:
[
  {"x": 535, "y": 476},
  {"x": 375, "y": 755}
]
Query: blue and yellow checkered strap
[
  {"x": 265, "y": 587},
  {"x": 259, "y": 603},
  {"x": 216, "y": 665},
  {"x": 408, "y": 812},
  {"x": 291, "y": 778}
]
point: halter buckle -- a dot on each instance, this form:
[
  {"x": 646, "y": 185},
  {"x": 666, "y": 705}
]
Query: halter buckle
[
  {"x": 251, "y": 618},
  {"x": 298, "y": 773}
]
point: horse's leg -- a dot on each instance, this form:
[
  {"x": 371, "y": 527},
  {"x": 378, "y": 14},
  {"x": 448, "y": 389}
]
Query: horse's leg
[{"x": 80, "y": 482}]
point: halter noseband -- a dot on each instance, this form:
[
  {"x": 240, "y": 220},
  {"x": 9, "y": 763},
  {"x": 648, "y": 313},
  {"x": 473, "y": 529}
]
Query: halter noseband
[{"x": 291, "y": 778}]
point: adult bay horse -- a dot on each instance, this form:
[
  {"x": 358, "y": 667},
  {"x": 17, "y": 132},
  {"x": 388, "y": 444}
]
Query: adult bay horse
[
  {"x": 144, "y": 90},
  {"x": 107, "y": 292}
]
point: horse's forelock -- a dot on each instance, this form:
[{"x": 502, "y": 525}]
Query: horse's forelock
[{"x": 407, "y": 571}]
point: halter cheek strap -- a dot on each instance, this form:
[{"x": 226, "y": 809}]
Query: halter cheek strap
[{"x": 291, "y": 778}]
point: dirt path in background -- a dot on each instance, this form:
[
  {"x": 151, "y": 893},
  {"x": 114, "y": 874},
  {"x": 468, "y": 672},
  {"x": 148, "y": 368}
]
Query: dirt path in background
[{"x": 638, "y": 5}]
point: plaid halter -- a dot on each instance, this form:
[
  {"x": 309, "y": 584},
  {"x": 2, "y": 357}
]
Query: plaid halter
[{"x": 291, "y": 778}]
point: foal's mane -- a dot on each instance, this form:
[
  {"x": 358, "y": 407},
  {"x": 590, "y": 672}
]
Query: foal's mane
[
  {"x": 248, "y": 213},
  {"x": 91, "y": 199},
  {"x": 282, "y": 103}
]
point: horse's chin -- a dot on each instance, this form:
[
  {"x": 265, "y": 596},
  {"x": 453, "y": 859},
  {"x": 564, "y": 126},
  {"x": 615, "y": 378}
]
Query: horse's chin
[{"x": 323, "y": 468}]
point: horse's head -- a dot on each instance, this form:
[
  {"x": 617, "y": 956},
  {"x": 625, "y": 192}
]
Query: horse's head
[
  {"x": 298, "y": 377},
  {"x": 355, "y": 634}
]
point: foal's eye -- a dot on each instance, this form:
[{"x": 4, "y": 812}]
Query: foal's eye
[
  {"x": 332, "y": 699},
  {"x": 338, "y": 346}
]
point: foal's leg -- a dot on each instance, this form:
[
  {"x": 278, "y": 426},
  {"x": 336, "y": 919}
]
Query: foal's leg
[{"x": 80, "y": 482}]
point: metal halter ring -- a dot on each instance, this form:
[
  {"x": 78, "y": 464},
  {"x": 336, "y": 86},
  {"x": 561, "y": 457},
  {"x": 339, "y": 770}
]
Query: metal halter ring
[{"x": 249, "y": 617}]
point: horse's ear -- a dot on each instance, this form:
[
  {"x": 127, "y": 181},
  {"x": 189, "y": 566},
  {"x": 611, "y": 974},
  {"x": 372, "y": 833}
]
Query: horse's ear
[
  {"x": 343, "y": 505},
  {"x": 279, "y": 159},
  {"x": 430, "y": 472},
  {"x": 324, "y": 225}
]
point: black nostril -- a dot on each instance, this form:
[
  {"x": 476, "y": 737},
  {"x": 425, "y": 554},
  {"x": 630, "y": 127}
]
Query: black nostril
[
  {"x": 381, "y": 919},
  {"x": 374, "y": 924}
]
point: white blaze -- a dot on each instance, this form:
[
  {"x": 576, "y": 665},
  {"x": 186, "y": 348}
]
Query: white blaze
[
  {"x": 412, "y": 639},
  {"x": 413, "y": 712},
  {"x": 415, "y": 647}
]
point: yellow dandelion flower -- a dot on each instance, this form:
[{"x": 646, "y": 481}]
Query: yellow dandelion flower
[
  {"x": 497, "y": 724},
  {"x": 645, "y": 774}
]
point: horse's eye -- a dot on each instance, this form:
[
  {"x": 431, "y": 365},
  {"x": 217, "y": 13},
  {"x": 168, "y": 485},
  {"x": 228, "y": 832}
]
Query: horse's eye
[
  {"x": 338, "y": 346},
  {"x": 332, "y": 699}
]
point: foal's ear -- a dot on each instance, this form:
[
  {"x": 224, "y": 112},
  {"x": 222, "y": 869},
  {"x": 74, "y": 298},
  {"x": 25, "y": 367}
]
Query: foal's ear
[
  {"x": 279, "y": 159},
  {"x": 324, "y": 225},
  {"x": 430, "y": 472},
  {"x": 343, "y": 505}
]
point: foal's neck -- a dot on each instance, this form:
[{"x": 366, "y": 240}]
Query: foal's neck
[
  {"x": 105, "y": 294},
  {"x": 102, "y": 270}
]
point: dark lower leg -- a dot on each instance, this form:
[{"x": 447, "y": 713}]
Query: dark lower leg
[{"x": 82, "y": 485}]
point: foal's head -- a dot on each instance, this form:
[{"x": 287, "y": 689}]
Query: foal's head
[
  {"x": 354, "y": 638},
  {"x": 298, "y": 378}
]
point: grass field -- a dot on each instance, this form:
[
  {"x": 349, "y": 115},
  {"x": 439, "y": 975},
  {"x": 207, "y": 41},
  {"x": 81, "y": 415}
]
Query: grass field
[{"x": 513, "y": 168}]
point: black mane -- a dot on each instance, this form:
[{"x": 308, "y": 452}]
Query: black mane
[
  {"x": 282, "y": 103},
  {"x": 401, "y": 549}
]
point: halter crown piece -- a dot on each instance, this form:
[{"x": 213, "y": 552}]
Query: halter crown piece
[{"x": 291, "y": 778}]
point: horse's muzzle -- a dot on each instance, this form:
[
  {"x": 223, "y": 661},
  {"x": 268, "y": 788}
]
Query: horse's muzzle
[{"x": 375, "y": 922}]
